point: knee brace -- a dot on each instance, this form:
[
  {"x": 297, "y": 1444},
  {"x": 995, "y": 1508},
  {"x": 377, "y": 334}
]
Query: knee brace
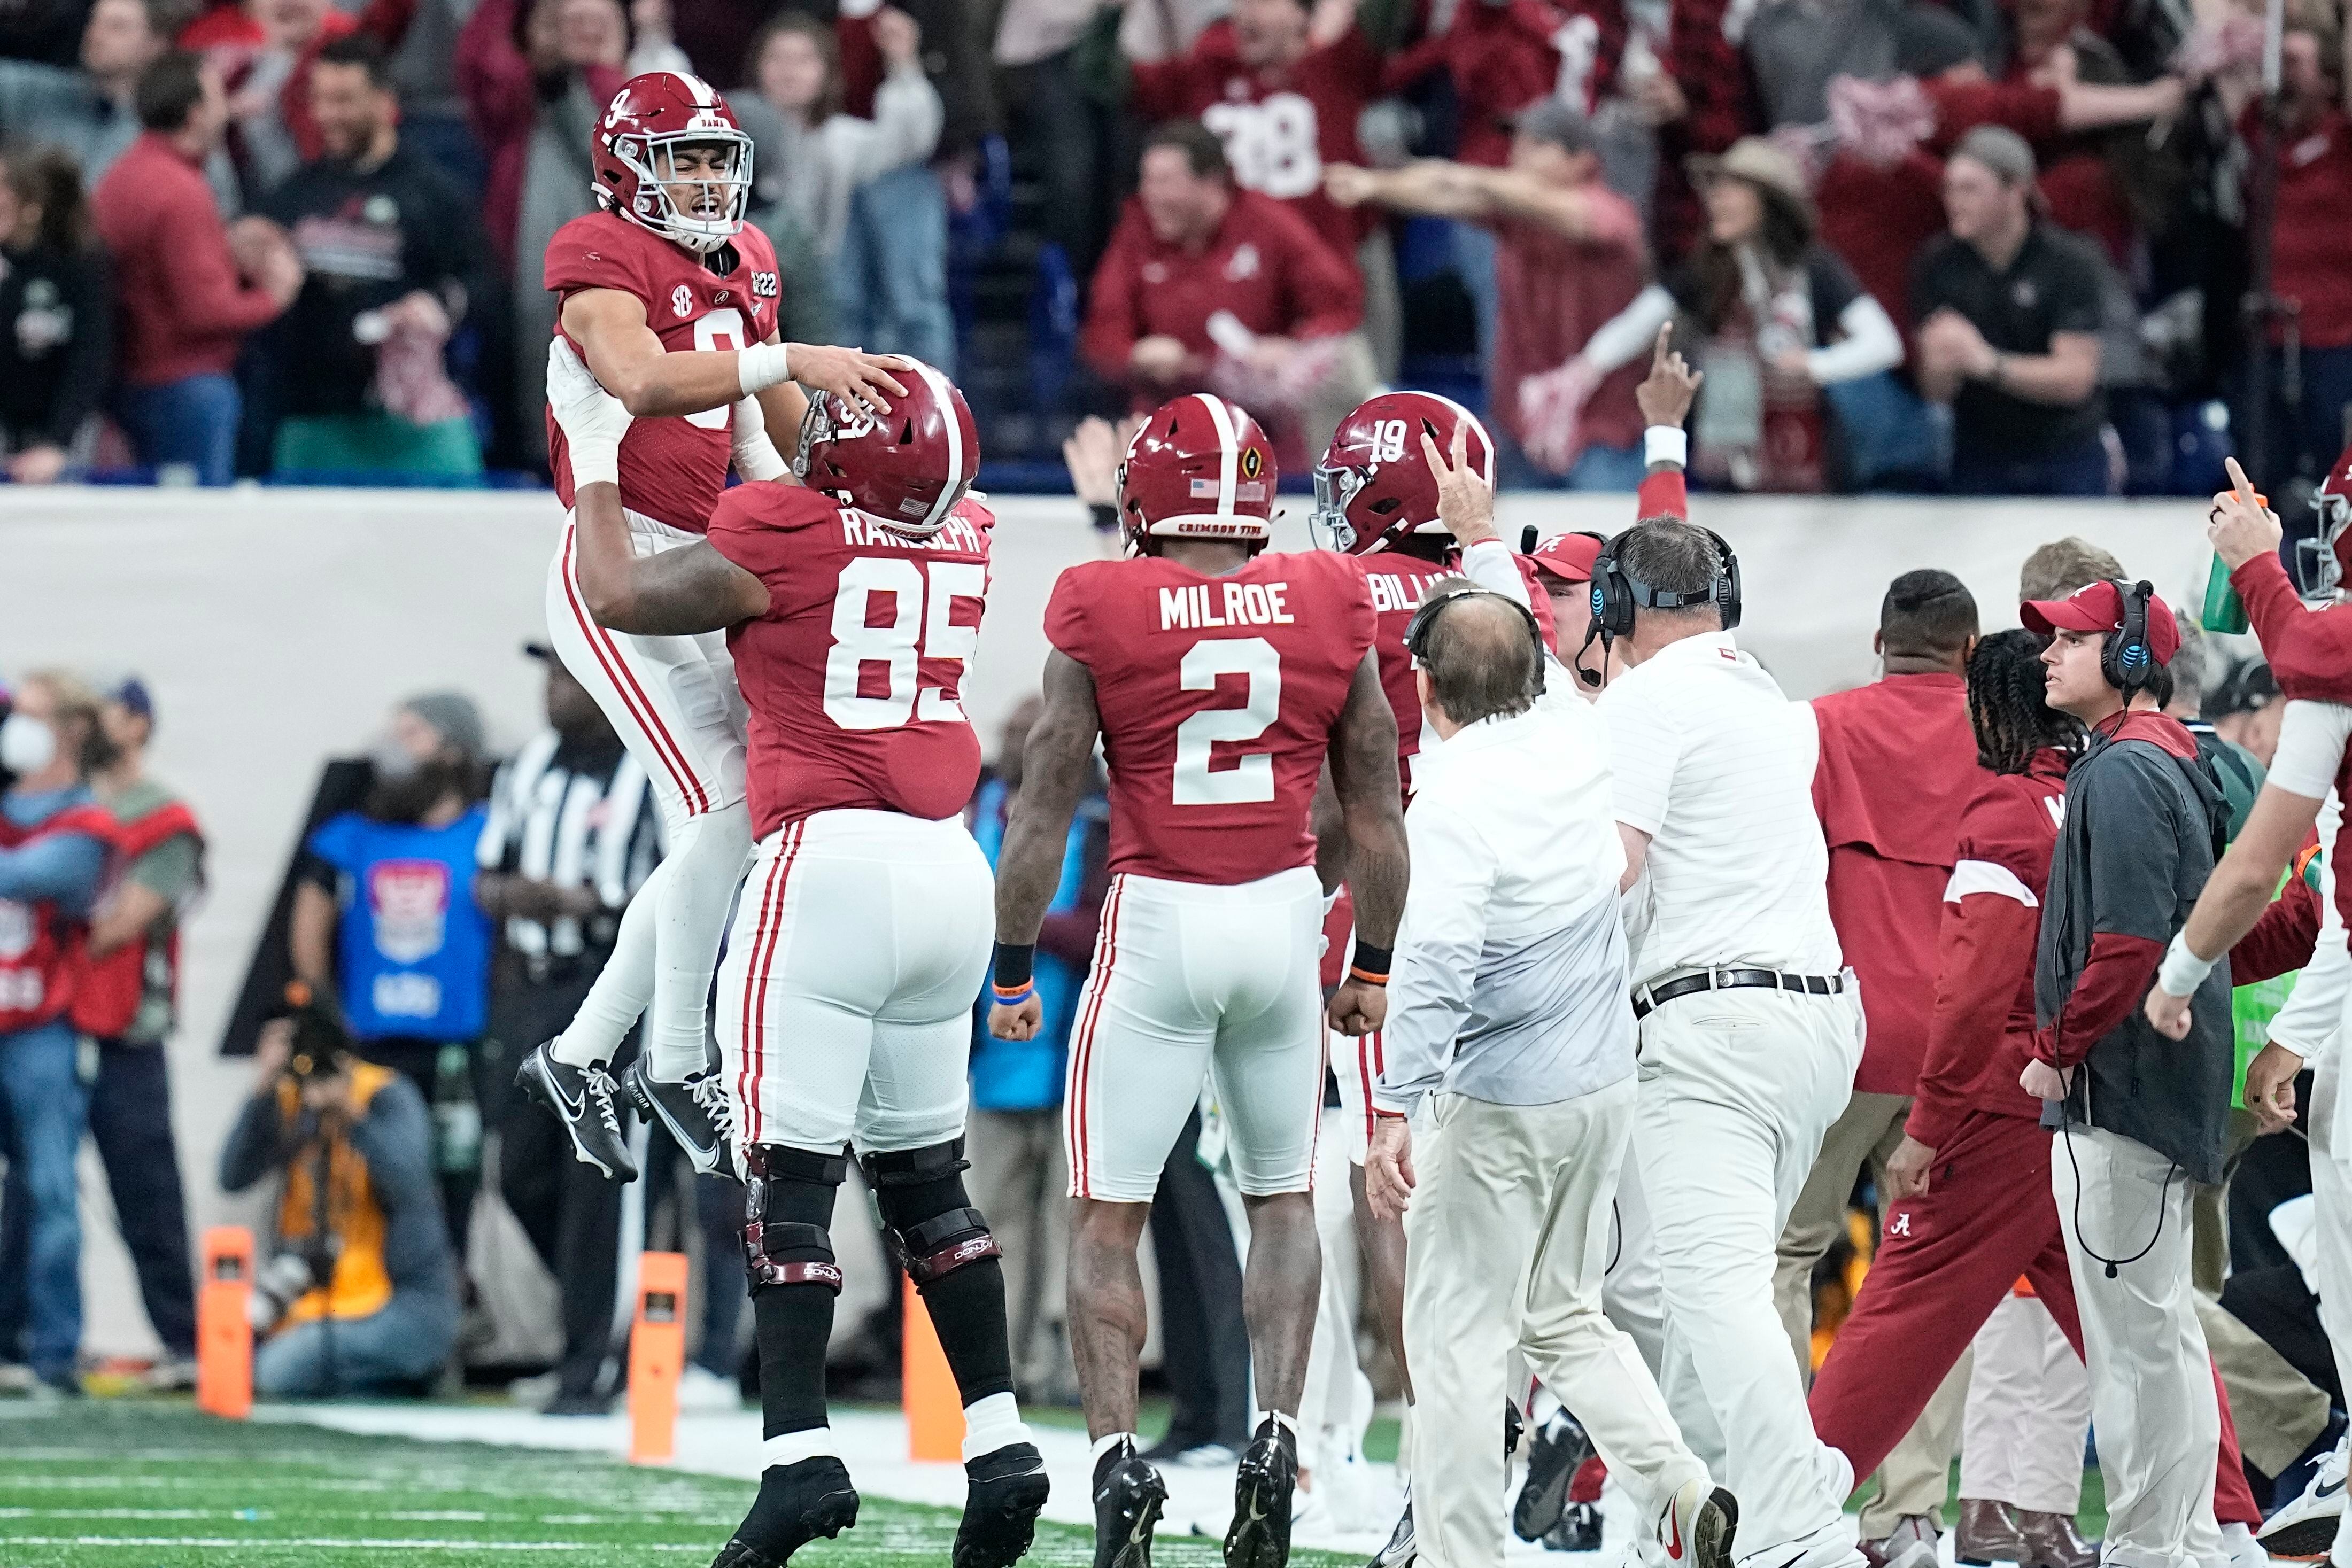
[
  {"x": 788, "y": 1196},
  {"x": 927, "y": 1221}
]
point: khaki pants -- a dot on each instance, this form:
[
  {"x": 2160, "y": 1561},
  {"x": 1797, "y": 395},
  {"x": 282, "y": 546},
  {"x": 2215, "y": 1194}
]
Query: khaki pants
[
  {"x": 1505, "y": 1242},
  {"x": 1021, "y": 1181},
  {"x": 1916, "y": 1476},
  {"x": 2028, "y": 1408},
  {"x": 2279, "y": 1411}
]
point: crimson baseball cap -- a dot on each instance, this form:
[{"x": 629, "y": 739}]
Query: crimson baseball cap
[
  {"x": 2099, "y": 607},
  {"x": 1567, "y": 556}
]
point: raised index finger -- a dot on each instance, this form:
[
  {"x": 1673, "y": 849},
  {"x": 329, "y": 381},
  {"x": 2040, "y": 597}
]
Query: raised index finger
[
  {"x": 1658, "y": 351},
  {"x": 2239, "y": 482}
]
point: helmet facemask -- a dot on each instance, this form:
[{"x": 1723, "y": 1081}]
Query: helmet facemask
[
  {"x": 2318, "y": 565},
  {"x": 1335, "y": 491},
  {"x": 716, "y": 201}
]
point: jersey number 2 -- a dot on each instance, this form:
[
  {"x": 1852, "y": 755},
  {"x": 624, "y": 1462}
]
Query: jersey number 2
[
  {"x": 923, "y": 596},
  {"x": 1252, "y": 777},
  {"x": 721, "y": 331}
]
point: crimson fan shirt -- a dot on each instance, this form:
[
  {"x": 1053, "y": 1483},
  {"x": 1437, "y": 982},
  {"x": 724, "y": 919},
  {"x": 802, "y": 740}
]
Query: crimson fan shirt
[
  {"x": 854, "y": 676},
  {"x": 672, "y": 469},
  {"x": 1217, "y": 696},
  {"x": 1280, "y": 125}
]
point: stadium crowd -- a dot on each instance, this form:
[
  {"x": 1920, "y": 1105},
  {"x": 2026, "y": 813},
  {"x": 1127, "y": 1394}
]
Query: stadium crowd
[{"x": 1998, "y": 249}]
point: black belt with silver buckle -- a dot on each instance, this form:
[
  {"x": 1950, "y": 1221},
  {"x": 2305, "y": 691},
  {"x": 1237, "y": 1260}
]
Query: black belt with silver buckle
[{"x": 1648, "y": 998}]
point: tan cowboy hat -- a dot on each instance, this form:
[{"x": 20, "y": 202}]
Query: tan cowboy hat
[{"x": 1760, "y": 162}]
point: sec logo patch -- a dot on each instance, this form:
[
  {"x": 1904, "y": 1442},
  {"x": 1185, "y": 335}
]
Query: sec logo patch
[{"x": 681, "y": 299}]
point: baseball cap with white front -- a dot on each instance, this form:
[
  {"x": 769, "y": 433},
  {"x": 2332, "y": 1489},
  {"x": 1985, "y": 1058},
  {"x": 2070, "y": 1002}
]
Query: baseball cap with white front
[{"x": 2099, "y": 607}]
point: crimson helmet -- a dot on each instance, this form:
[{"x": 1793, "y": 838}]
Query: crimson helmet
[
  {"x": 906, "y": 469},
  {"x": 635, "y": 144},
  {"x": 1200, "y": 468},
  {"x": 1375, "y": 485},
  {"x": 2324, "y": 563}
]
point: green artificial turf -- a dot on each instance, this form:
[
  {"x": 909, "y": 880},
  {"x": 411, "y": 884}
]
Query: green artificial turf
[{"x": 125, "y": 1484}]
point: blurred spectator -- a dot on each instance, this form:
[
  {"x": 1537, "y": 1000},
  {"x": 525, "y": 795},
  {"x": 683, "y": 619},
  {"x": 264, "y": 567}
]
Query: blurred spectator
[
  {"x": 887, "y": 252},
  {"x": 2057, "y": 569},
  {"x": 56, "y": 321},
  {"x": 1013, "y": 1137},
  {"x": 2246, "y": 710},
  {"x": 2009, "y": 313},
  {"x": 1795, "y": 47},
  {"x": 127, "y": 1002},
  {"x": 395, "y": 258},
  {"x": 54, "y": 842},
  {"x": 1208, "y": 286},
  {"x": 385, "y": 920},
  {"x": 1042, "y": 58},
  {"x": 357, "y": 1294},
  {"x": 1779, "y": 321},
  {"x": 1569, "y": 257},
  {"x": 264, "y": 52},
  {"x": 571, "y": 835},
  {"x": 182, "y": 306},
  {"x": 1283, "y": 84},
  {"x": 92, "y": 112},
  {"x": 2116, "y": 186},
  {"x": 2308, "y": 266}
]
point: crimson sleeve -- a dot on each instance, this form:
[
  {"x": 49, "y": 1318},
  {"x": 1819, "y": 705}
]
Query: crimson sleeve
[
  {"x": 580, "y": 258},
  {"x": 1984, "y": 950},
  {"x": 2282, "y": 941},
  {"x": 1961, "y": 107},
  {"x": 2113, "y": 981},
  {"x": 1327, "y": 293},
  {"x": 1115, "y": 313},
  {"x": 1065, "y": 613},
  {"x": 1155, "y": 88},
  {"x": 207, "y": 297},
  {"x": 1408, "y": 66},
  {"x": 1662, "y": 494},
  {"x": 2310, "y": 653},
  {"x": 861, "y": 63}
]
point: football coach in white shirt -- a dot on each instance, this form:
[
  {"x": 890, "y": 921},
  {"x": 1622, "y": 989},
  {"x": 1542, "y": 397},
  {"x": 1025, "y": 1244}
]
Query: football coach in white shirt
[
  {"x": 1507, "y": 1016},
  {"x": 1751, "y": 1025}
]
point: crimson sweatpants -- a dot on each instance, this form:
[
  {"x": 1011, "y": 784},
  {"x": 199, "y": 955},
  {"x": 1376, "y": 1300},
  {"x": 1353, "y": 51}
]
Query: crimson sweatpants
[{"x": 1945, "y": 1261}]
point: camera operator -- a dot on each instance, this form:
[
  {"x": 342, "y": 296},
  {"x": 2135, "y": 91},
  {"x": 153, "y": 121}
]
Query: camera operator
[{"x": 358, "y": 1295}]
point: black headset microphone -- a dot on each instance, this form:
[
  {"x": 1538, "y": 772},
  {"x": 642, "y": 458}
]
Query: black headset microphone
[{"x": 2126, "y": 661}]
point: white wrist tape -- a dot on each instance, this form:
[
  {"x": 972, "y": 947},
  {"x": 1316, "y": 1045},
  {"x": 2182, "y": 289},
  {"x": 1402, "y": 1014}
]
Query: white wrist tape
[
  {"x": 594, "y": 463},
  {"x": 2183, "y": 971},
  {"x": 761, "y": 366},
  {"x": 756, "y": 457},
  {"x": 1665, "y": 443}
]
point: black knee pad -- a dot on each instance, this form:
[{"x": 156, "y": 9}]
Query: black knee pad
[
  {"x": 788, "y": 1196},
  {"x": 929, "y": 1223}
]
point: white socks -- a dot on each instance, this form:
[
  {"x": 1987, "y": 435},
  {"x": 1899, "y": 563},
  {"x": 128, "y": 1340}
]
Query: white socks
[
  {"x": 1104, "y": 1445},
  {"x": 992, "y": 1423},
  {"x": 792, "y": 1447}
]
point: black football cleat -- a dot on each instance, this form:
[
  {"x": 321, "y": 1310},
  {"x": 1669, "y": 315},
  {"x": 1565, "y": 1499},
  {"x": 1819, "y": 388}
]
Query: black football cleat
[
  {"x": 797, "y": 1503},
  {"x": 1128, "y": 1496},
  {"x": 1401, "y": 1549},
  {"x": 1004, "y": 1492},
  {"x": 1578, "y": 1529},
  {"x": 695, "y": 1111},
  {"x": 581, "y": 1099},
  {"x": 1555, "y": 1452},
  {"x": 1259, "y": 1536}
]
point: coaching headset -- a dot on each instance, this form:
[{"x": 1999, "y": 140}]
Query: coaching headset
[
  {"x": 2124, "y": 658},
  {"x": 1617, "y": 595},
  {"x": 1423, "y": 625}
]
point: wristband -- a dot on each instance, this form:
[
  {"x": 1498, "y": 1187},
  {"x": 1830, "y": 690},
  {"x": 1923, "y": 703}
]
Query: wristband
[
  {"x": 594, "y": 463},
  {"x": 2182, "y": 970},
  {"x": 1105, "y": 515},
  {"x": 1370, "y": 963},
  {"x": 761, "y": 366},
  {"x": 1016, "y": 962},
  {"x": 1665, "y": 443},
  {"x": 1005, "y": 998}
]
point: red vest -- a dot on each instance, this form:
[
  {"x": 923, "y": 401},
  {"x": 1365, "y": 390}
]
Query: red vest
[
  {"x": 40, "y": 944},
  {"x": 106, "y": 994}
]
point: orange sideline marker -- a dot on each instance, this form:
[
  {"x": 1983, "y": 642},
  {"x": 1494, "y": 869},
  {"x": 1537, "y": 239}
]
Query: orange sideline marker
[
  {"x": 934, "y": 1408},
  {"x": 657, "y": 1356},
  {"x": 224, "y": 1333}
]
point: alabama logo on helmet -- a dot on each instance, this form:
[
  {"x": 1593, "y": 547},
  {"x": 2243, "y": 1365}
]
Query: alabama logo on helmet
[
  {"x": 906, "y": 469},
  {"x": 1374, "y": 483},
  {"x": 1199, "y": 468},
  {"x": 636, "y": 147}
]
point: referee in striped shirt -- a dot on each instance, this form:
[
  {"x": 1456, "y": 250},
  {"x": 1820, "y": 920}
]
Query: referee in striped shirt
[{"x": 572, "y": 833}]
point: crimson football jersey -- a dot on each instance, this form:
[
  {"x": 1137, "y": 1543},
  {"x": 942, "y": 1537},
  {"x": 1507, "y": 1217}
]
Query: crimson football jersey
[
  {"x": 672, "y": 469},
  {"x": 853, "y": 675},
  {"x": 1397, "y": 583},
  {"x": 1217, "y": 696}
]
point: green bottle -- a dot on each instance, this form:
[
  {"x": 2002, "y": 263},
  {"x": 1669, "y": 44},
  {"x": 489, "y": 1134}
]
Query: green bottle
[{"x": 2224, "y": 611}]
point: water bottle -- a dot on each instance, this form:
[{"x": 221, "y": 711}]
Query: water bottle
[{"x": 2224, "y": 611}]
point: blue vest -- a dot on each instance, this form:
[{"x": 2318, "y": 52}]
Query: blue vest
[
  {"x": 1026, "y": 1074},
  {"x": 413, "y": 948}
]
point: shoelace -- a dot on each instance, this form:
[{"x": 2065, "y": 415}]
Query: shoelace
[
  {"x": 601, "y": 1086},
  {"x": 709, "y": 1092}
]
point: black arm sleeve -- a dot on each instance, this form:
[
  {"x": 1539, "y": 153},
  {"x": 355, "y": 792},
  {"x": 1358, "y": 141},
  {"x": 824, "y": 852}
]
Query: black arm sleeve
[
  {"x": 89, "y": 357},
  {"x": 255, "y": 1145}
]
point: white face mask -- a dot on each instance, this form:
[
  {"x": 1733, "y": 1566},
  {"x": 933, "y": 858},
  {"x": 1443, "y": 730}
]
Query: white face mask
[{"x": 28, "y": 743}]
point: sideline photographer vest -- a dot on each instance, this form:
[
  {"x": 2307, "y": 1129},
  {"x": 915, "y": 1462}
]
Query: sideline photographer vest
[
  {"x": 360, "y": 1286},
  {"x": 40, "y": 944},
  {"x": 106, "y": 996}
]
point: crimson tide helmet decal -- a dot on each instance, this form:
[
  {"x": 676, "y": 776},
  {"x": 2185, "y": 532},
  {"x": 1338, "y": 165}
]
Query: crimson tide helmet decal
[
  {"x": 1375, "y": 483},
  {"x": 907, "y": 469},
  {"x": 1199, "y": 468},
  {"x": 634, "y": 148}
]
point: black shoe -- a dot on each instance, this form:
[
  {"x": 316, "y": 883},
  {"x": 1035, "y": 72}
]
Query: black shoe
[
  {"x": 1003, "y": 1491},
  {"x": 1554, "y": 1454},
  {"x": 1128, "y": 1496},
  {"x": 1259, "y": 1536},
  {"x": 796, "y": 1504},
  {"x": 581, "y": 1099},
  {"x": 1399, "y": 1550},
  {"x": 1578, "y": 1529},
  {"x": 695, "y": 1111},
  {"x": 588, "y": 1403},
  {"x": 1512, "y": 1426}
]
